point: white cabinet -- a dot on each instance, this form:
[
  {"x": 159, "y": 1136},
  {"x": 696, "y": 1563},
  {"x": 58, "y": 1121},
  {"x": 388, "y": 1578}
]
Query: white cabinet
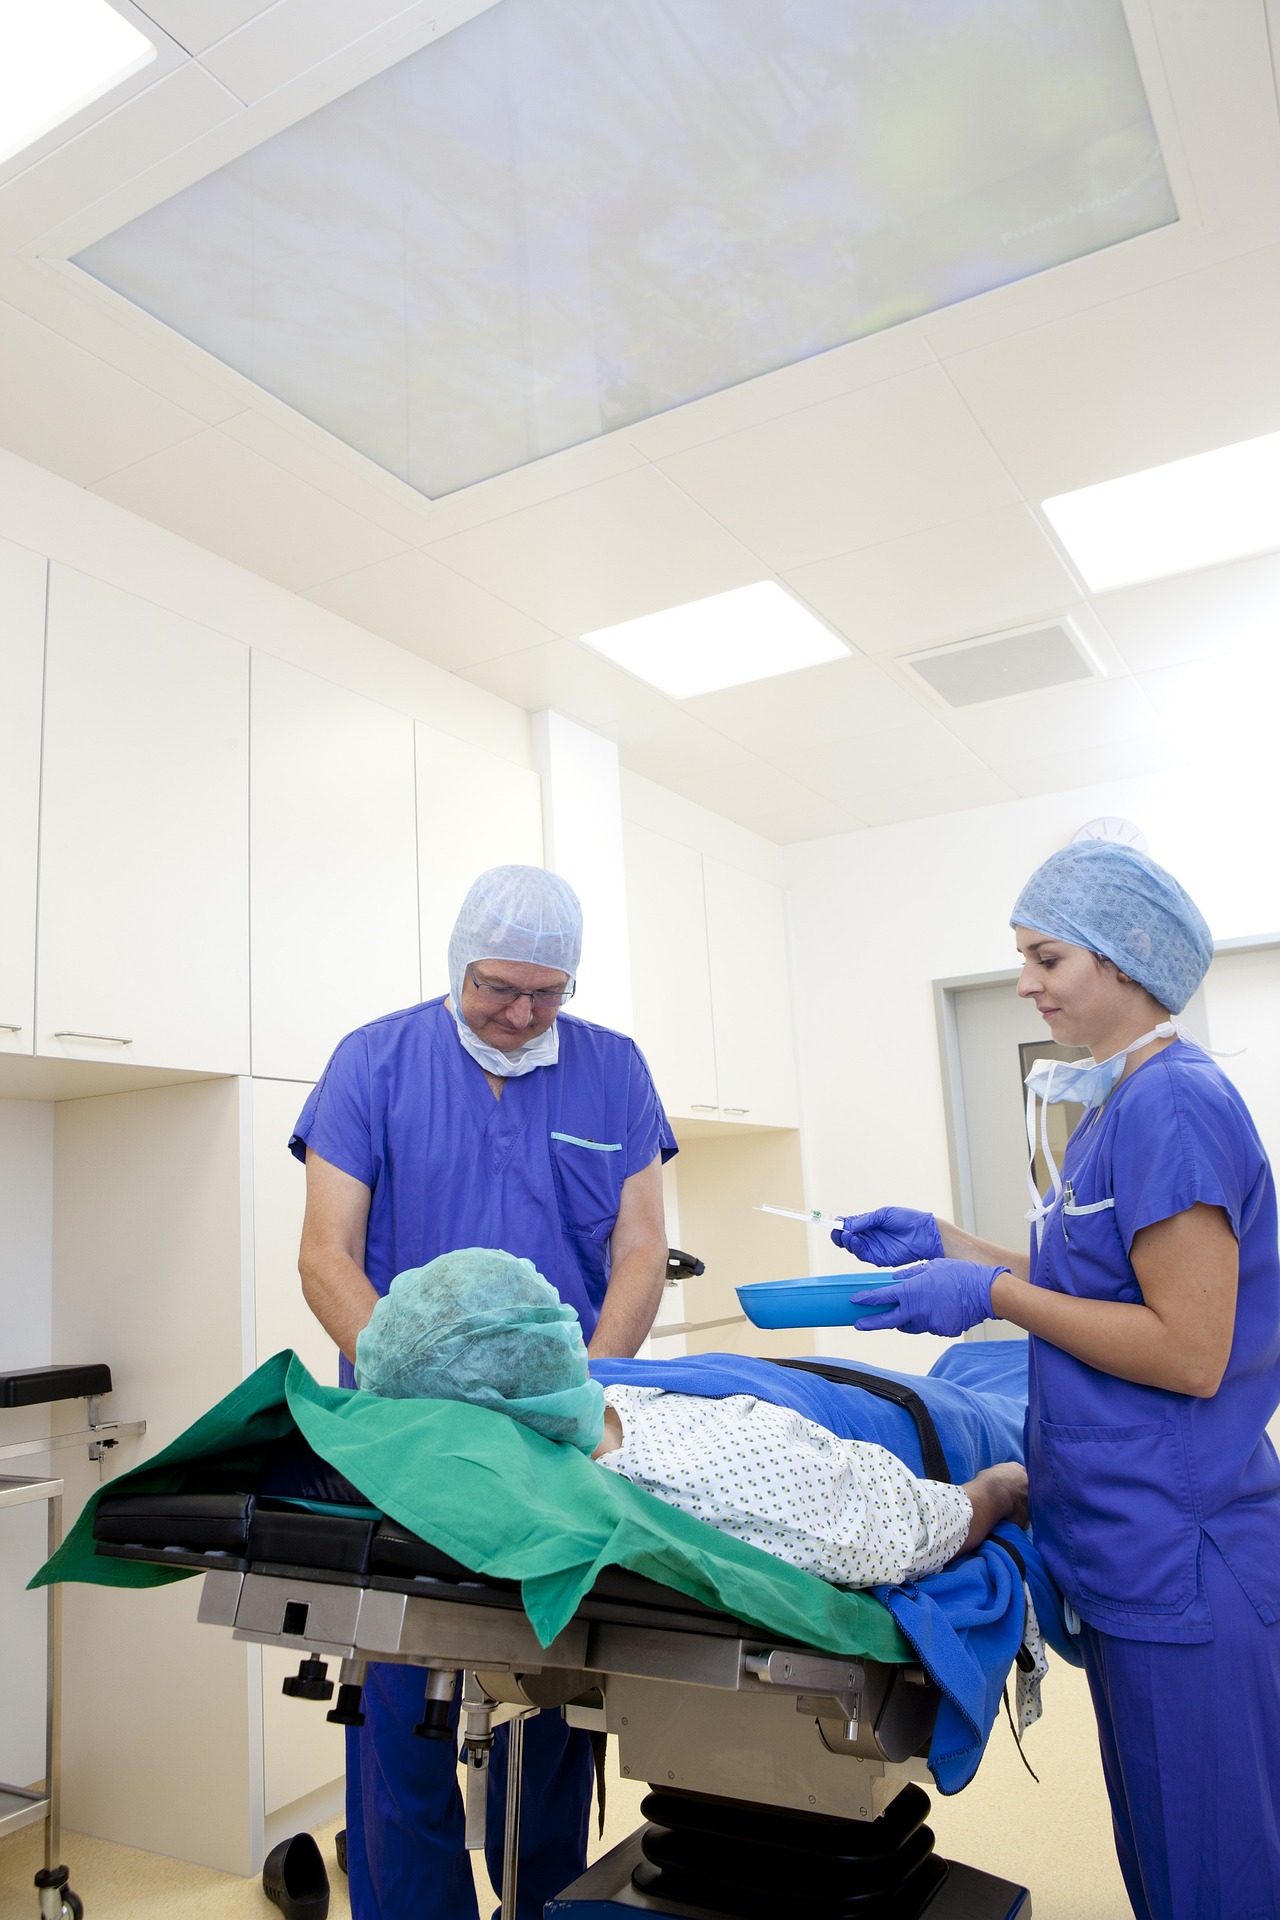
[
  {"x": 750, "y": 997},
  {"x": 670, "y": 977},
  {"x": 474, "y": 811},
  {"x": 710, "y": 983},
  {"x": 333, "y": 864},
  {"x": 22, "y": 583},
  {"x": 143, "y": 914}
]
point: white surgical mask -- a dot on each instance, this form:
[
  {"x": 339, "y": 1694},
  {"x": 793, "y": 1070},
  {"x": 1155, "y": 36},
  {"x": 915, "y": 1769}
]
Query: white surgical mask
[
  {"x": 1085, "y": 1083},
  {"x": 543, "y": 1051}
]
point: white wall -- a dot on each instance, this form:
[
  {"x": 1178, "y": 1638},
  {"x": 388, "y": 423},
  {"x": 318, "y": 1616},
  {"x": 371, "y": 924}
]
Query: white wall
[
  {"x": 876, "y": 917},
  {"x": 26, "y": 1267},
  {"x": 582, "y": 838}
]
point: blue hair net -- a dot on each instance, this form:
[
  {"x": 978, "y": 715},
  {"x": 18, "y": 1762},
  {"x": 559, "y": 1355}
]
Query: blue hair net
[
  {"x": 1121, "y": 904},
  {"x": 482, "y": 1326},
  {"x": 516, "y": 913}
]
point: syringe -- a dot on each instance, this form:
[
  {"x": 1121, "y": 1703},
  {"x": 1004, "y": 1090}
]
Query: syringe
[{"x": 812, "y": 1216}]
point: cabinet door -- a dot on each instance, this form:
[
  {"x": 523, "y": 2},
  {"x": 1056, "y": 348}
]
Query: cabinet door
[
  {"x": 22, "y": 579},
  {"x": 474, "y": 811},
  {"x": 144, "y": 937},
  {"x": 333, "y": 867},
  {"x": 750, "y": 997},
  {"x": 670, "y": 981}
]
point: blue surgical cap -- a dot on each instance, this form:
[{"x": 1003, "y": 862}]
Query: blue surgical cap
[
  {"x": 516, "y": 913},
  {"x": 482, "y": 1326},
  {"x": 1118, "y": 902}
]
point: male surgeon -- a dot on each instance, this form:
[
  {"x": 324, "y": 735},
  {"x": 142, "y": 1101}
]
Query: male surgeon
[{"x": 486, "y": 1119}]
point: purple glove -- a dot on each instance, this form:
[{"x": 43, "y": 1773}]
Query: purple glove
[
  {"x": 887, "y": 1236},
  {"x": 935, "y": 1296}
]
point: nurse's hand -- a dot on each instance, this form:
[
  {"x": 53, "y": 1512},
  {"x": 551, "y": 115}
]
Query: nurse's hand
[
  {"x": 887, "y": 1236},
  {"x": 935, "y": 1296}
]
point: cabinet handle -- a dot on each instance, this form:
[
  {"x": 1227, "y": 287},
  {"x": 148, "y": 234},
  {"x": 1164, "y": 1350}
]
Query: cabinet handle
[
  {"x": 704, "y": 1106},
  {"x": 107, "y": 1039},
  {"x": 7, "y": 1026},
  {"x": 737, "y": 1109}
]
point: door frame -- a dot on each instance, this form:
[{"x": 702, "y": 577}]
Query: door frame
[{"x": 944, "y": 1003}]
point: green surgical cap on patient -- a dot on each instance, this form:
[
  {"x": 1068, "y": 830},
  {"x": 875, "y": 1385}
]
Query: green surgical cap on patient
[
  {"x": 1118, "y": 902},
  {"x": 482, "y": 1326}
]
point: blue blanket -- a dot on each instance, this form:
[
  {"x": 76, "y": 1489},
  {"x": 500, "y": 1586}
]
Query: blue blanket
[{"x": 965, "y": 1622}]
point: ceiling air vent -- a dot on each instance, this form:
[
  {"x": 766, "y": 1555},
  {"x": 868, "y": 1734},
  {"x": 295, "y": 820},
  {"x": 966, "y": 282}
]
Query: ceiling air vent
[{"x": 1000, "y": 664}]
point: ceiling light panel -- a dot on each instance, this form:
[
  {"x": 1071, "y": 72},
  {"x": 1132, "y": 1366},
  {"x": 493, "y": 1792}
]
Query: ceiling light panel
[
  {"x": 1192, "y": 513},
  {"x": 56, "y": 58},
  {"x": 565, "y": 216},
  {"x": 752, "y": 633}
]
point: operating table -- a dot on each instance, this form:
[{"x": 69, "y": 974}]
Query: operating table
[{"x": 782, "y": 1780}]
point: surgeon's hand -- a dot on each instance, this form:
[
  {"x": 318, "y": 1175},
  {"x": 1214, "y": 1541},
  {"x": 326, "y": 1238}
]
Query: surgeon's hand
[
  {"x": 935, "y": 1296},
  {"x": 887, "y": 1236}
]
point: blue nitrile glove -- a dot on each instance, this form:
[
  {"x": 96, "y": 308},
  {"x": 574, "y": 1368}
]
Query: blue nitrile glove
[
  {"x": 935, "y": 1296},
  {"x": 887, "y": 1236}
]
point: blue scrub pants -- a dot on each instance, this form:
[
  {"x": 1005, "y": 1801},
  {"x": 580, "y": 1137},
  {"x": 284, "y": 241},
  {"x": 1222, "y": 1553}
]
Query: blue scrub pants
[
  {"x": 405, "y": 1858},
  {"x": 1190, "y": 1740}
]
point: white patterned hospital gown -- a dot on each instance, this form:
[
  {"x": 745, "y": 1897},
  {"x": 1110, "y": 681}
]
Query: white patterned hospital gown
[{"x": 847, "y": 1510}]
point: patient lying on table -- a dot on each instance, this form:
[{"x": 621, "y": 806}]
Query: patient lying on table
[{"x": 485, "y": 1327}]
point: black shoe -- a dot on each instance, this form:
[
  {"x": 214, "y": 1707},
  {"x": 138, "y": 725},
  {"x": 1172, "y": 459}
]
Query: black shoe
[
  {"x": 293, "y": 1876},
  {"x": 340, "y": 1847}
]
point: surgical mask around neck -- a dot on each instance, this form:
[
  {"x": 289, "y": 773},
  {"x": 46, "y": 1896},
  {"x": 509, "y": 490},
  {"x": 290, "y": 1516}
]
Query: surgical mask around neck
[
  {"x": 1085, "y": 1083},
  {"x": 543, "y": 1051}
]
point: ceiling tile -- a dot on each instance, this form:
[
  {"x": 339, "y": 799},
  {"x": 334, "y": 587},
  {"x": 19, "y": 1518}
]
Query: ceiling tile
[
  {"x": 976, "y": 575},
  {"x": 558, "y": 473},
  {"x": 843, "y": 703},
  {"x": 72, "y": 412},
  {"x": 143, "y": 132},
  {"x": 865, "y": 467},
  {"x": 423, "y": 606},
  {"x": 846, "y": 772},
  {"x": 282, "y": 41},
  {"x": 68, "y": 303},
  {"x": 1087, "y": 766},
  {"x": 197, "y": 24},
  {"x": 631, "y": 545},
  {"x": 1195, "y": 615},
  {"x": 1094, "y": 713},
  {"x": 806, "y": 383},
  {"x": 1221, "y": 710},
  {"x": 574, "y": 679},
  {"x": 1173, "y": 370},
  {"x": 311, "y": 454},
  {"x": 915, "y": 799},
  {"x": 804, "y": 820},
  {"x": 223, "y": 496}
]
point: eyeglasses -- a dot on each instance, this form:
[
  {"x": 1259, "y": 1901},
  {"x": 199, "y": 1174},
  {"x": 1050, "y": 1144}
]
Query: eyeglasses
[{"x": 541, "y": 999}]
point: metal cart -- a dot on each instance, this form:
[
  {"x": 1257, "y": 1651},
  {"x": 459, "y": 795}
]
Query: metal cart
[{"x": 33, "y": 1387}]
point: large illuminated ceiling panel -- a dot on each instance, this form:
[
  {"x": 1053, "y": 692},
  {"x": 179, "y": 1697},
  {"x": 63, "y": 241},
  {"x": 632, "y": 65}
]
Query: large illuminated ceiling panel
[{"x": 568, "y": 215}]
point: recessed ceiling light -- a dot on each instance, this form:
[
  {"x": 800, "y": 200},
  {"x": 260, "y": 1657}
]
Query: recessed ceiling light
[
  {"x": 1191, "y": 513},
  {"x": 751, "y": 633},
  {"x": 57, "y": 56}
]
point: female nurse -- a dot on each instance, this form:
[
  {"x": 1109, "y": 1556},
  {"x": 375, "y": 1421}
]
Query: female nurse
[{"x": 1152, "y": 1298}]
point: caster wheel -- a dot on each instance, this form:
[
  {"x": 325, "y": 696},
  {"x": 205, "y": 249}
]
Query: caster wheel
[{"x": 72, "y": 1905}]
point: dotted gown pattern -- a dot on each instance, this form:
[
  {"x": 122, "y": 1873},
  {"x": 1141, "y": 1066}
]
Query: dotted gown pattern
[{"x": 847, "y": 1510}]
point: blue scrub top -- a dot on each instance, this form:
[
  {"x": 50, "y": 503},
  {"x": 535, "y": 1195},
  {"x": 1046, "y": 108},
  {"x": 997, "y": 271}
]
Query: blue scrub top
[
  {"x": 1125, "y": 1478},
  {"x": 404, "y": 1108}
]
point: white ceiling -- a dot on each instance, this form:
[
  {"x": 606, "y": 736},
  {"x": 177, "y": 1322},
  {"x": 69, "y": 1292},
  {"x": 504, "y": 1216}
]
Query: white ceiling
[{"x": 892, "y": 484}]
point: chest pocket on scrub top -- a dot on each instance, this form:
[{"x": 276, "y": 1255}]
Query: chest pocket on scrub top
[
  {"x": 1086, "y": 1253},
  {"x": 588, "y": 1176}
]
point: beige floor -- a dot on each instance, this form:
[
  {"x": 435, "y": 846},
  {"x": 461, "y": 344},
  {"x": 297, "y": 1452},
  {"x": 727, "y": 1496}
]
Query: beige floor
[{"x": 1054, "y": 1838}]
